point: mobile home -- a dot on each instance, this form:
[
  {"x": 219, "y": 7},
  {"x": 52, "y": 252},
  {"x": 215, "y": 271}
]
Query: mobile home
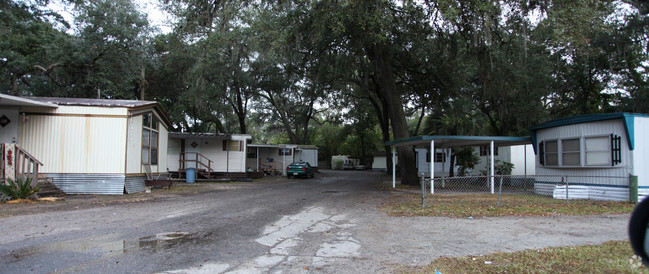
[
  {"x": 212, "y": 155},
  {"x": 583, "y": 148},
  {"x": 87, "y": 146}
]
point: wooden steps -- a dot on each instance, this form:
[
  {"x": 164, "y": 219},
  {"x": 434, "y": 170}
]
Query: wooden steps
[{"x": 48, "y": 189}]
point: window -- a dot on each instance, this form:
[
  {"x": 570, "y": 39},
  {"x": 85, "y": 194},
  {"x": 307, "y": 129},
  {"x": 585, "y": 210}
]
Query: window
[
  {"x": 598, "y": 151},
  {"x": 551, "y": 153},
  {"x": 284, "y": 152},
  {"x": 252, "y": 152},
  {"x": 439, "y": 157},
  {"x": 229, "y": 145},
  {"x": 571, "y": 152},
  {"x": 484, "y": 150},
  {"x": 149, "y": 139}
]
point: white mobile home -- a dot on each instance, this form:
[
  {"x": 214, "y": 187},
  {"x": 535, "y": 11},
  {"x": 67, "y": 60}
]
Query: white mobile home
[
  {"x": 583, "y": 148},
  {"x": 522, "y": 156},
  {"x": 212, "y": 155},
  {"x": 88, "y": 146},
  {"x": 442, "y": 162}
]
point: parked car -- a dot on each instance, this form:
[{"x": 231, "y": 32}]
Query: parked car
[{"x": 301, "y": 169}]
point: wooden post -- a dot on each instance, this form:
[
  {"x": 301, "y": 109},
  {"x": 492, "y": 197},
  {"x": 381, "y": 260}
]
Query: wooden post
[{"x": 10, "y": 161}]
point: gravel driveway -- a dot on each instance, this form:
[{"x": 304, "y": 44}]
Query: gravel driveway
[{"x": 330, "y": 223}]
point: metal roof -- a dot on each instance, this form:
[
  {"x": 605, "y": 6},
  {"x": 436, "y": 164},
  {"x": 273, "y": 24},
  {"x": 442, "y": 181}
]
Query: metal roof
[
  {"x": 8, "y": 100},
  {"x": 273, "y": 146},
  {"x": 59, "y": 101},
  {"x": 307, "y": 147},
  {"x": 626, "y": 118},
  {"x": 93, "y": 102},
  {"x": 585, "y": 119},
  {"x": 199, "y": 135},
  {"x": 455, "y": 140}
]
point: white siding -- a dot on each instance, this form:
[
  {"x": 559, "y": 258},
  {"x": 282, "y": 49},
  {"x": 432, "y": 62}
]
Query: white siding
[
  {"x": 307, "y": 155},
  {"x": 134, "y": 146},
  {"x": 9, "y": 133},
  {"x": 85, "y": 142},
  {"x": 641, "y": 151},
  {"x": 523, "y": 158},
  {"x": 423, "y": 166},
  {"x": 163, "y": 144},
  {"x": 600, "y": 128},
  {"x": 173, "y": 154},
  {"x": 230, "y": 161}
]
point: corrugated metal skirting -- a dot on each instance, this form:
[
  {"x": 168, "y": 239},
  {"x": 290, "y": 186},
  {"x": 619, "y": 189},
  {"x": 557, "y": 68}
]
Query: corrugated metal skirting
[
  {"x": 107, "y": 184},
  {"x": 135, "y": 184}
]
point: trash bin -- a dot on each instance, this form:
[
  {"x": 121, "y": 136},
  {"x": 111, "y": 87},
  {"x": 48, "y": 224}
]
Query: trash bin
[{"x": 191, "y": 175}]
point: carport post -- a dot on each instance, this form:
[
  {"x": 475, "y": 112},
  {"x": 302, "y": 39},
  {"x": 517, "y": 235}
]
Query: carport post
[
  {"x": 394, "y": 178},
  {"x": 491, "y": 156},
  {"x": 257, "y": 159},
  {"x": 432, "y": 167}
]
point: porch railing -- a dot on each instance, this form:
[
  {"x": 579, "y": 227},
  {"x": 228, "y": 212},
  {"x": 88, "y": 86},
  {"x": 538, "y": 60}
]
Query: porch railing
[
  {"x": 199, "y": 161},
  {"x": 24, "y": 164}
]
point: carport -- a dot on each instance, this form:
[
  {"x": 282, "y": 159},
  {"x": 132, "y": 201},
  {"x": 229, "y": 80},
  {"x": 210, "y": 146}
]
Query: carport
[{"x": 446, "y": 141}]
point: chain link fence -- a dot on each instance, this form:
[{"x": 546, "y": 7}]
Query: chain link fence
[{"x": 537, "y": 190}]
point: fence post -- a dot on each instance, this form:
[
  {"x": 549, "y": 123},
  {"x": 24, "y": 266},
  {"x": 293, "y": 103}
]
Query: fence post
[
  {"x": 633, "y": 189},
  {"x": 423, "y": 190},
  {"x": 500, "y": 190}
]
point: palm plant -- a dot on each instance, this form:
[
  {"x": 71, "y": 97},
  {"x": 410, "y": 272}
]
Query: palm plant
[{"x": 18, "y": 189}]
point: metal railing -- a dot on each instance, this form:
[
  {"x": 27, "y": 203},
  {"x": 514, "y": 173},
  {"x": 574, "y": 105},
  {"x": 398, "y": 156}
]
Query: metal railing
[{"x": 199, "y": 161}]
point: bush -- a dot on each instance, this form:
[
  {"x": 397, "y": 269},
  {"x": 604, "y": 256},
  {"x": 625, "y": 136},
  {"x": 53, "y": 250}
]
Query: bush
[
  {"x": 338, "y": 164},
  {"x": 18, "y": 189}
]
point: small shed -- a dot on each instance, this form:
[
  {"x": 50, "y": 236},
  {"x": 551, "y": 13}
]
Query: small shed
[
  {"x": 89, "y": 146},
  {"x": 307, "y": 153},
  {"x": 380, "y": 162},
  {"x": 212, "y": 155},
  {"x": 587, "y": 147}
]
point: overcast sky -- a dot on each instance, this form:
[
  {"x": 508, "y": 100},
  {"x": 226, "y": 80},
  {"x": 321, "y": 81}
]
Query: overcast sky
[{"x": 157, "y": 17}]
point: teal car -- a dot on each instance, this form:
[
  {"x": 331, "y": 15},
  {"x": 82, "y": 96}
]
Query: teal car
[{"x": 301, "y": 169}]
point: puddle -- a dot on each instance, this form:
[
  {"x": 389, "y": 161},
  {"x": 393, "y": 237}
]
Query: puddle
[{"x": 106, "y": 247}]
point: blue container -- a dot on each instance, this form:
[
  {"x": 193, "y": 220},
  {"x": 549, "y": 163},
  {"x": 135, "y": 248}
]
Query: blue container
[{"x": 191, "y": 175}]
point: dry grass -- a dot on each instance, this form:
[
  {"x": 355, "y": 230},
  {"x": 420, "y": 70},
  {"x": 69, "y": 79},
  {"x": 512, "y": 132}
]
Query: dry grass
[
  {"x": 609, "y": 257},
  {"x": 476, "y": 205}
]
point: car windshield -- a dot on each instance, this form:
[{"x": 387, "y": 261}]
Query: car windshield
[{"x": 298, "y": 164}]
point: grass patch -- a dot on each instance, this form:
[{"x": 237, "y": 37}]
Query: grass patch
[
  {"x": 476, "y": 205},
  {"x": 609, "y": 257}
]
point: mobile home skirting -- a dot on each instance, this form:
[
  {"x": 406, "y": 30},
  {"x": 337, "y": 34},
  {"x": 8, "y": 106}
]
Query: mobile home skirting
[{"x": 104, "y": 184}]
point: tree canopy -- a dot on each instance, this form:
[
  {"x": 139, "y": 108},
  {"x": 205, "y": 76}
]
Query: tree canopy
[{"x": 343, "y": 75}]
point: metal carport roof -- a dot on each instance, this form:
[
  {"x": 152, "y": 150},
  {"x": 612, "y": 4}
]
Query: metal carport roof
[{"x": 459, "y": 140}]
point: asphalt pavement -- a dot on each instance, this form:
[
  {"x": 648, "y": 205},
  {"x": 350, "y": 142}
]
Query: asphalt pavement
[{"x": 330, "y": 223}]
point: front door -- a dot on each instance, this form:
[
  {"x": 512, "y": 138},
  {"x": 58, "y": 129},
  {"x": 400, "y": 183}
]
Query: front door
[
  {"x": 192, "y": 146},
  {"x": 9, "y": 119}
]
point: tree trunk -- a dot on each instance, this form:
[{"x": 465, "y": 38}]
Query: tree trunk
[{"x": 388, "y": 90}]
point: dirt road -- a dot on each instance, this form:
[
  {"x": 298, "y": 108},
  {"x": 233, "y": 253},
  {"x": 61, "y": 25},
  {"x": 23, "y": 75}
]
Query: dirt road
[{"x": 327, "y": 224}]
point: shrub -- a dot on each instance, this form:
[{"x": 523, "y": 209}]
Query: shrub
[
  {"x": 338, "y": 164},
  {"x": 18, "y": 189}
]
